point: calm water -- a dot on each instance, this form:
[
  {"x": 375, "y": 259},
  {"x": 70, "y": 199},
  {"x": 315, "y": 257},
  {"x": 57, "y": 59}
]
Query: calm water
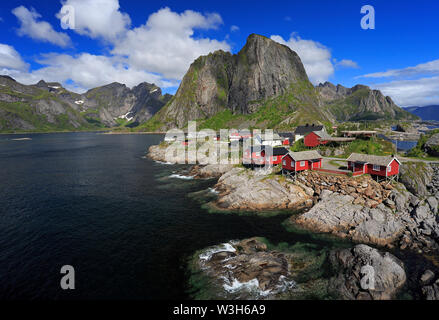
[{"x": 95, "y": 202}]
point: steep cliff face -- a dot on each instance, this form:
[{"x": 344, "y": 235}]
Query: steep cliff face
[
  {"x": 48, "y": 106},
  {"x": 264, "y": 84},
  {"x": 263, "y": 69},
  {"x": 359, "y": 103},
  {"x": 203, "y": 92}
]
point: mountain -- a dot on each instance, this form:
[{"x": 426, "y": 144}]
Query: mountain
[
  {"x": 115, "y": 103},
  {"x": 264, "y": 85},
  {"x": 425, "y": 113},
  {"x": 359, "y": 103},
  {"x": 50, "y": 107}
]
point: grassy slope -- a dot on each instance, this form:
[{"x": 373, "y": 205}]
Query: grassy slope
[
  {"x": 298, "y": 105},
  {"x": 24, "y": 110}
]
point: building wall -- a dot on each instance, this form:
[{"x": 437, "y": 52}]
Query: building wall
[
  {"x": 302, "y": 165},
  {"x": 288, "y": 164},
  {"x": 380, "y": 172},
  {"x": 394, "y": 168},
  {"x": 312, "y": 140},
  {"x": 317, "y": 164}
]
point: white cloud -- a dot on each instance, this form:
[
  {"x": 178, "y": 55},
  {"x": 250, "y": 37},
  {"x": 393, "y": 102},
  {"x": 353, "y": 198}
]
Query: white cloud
[
  {"x": 428, "y": 68},
  {"x": 234, "y": 28},
  {"x": 419, "y": 92},
  {"x": 99, "y": 18},
  {"x": 315, "y": 57},
  {"x": 346, "y": 63},
  {"x": 10, "y": 59},
  {"x": 87, "y": 71},
  {"x": 166, "y": 43},
  {"x": 38, "y": 30}
]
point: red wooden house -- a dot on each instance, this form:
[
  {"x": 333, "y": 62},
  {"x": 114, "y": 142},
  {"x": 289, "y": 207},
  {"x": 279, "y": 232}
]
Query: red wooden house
[
  {"x": 375, "y": 165},
  {"x": 260, "y": 155},
  {"x": 299, "y": 161},
  {"x": 316, "y": 138}
]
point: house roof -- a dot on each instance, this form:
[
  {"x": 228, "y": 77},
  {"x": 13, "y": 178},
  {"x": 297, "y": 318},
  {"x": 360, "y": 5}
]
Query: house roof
[
  {"x": 287, "y": 135},
  {"x": 302, "y": 130},
  {"x": 276, "y": 151},
  {"x": 304, "y": 155},
  {"x": 322, "y": 134},
  {"x": 371, "y": 159},
  {"x": 264, "y": 137}
]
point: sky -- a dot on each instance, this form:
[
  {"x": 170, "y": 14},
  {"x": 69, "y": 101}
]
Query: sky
[{"x": 131, "y": 41}]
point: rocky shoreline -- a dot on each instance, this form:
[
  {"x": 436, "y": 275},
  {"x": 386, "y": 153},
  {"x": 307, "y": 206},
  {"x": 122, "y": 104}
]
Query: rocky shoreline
[
  {"x": 358, "y": 209},
  {"x": 251, "y": 269}
]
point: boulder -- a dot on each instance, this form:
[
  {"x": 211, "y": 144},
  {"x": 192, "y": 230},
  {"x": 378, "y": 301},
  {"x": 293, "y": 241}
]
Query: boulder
[{"x": 366, "y": 273}]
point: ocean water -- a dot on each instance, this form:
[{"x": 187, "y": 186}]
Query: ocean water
[{"x": 127, "y": 224}]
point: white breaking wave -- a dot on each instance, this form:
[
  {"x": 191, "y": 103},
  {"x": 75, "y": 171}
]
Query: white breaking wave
[
  {"x": 160, "y": 162},
  {"x": 206, "y": 255},
  {"x": 249, "y": 286},
  {"x": 179, "y": 176},
  {"x": 213, "y": 190},
  {"x": 252, "y": 286}
]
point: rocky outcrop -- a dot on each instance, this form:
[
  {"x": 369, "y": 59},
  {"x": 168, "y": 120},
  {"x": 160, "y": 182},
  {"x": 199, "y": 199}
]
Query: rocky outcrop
[
  {"x": 247, "y": 268},
  {"x": 360, "y": 103},
  {"x": 430, "y": 288},
  {"x": 433, "y": 186},
  {"x": 364, "y": 190},
  {"x": 432, "y": 145},
  {"x": 402, "y": 220},
  {"x": 249, "y": 190},
  {"x": 254, "y": 269},
  {"x": 338, "y": 214},
  {"x": 210, "y": 170},
  {"x": 364, "y": 273},
  {"x": 416, "y": 176}
]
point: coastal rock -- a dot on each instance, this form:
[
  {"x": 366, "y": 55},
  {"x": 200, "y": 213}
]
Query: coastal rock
[
  {"x": 366, "y": 273},
  {"x": 337, "y": 214},
  {"x": 247, "y": 269},
  {"x": 416, "y": 176},
  {"x": 432, "y": 145},
  {"x": 431, "y": 292},
  {"x": 249, "y": 190},
  {"x": 365, "y": 190},
  {"x": 211, "y": 170}
]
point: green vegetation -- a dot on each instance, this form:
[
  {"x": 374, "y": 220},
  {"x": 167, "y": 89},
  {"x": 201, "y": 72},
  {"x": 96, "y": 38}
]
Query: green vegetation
[
  {"x": 299, "y": 146},
  {"x": 375, "y": 146},
  {"x": 420, "y": 151}
]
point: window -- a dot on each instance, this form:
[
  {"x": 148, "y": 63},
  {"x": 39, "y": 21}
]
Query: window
[
  {"x": 376, "y": 167},
  {"x": 389, "y": 168},
  {"x": 284, "y": 162},
  {"x": 302, "y": 163}
]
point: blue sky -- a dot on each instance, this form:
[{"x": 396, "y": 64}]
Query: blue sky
[{"x": 155, "y": 41}]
